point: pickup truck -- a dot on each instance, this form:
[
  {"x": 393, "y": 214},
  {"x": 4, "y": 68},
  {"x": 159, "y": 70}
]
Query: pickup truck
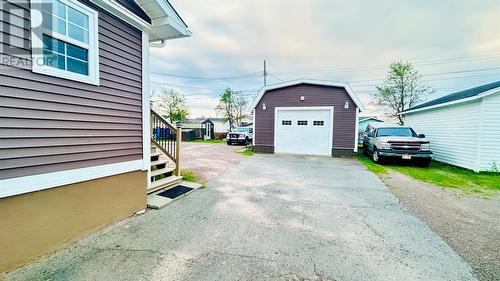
[
  {"x": 240, "y": 135},
  {"x": 384, "y": 141}
]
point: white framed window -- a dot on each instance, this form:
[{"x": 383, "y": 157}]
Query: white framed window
[
  {"x": 64, "y": 40},
  {"x": 286, "y": 122},
  {"x": 302, "y": 122},
  {"x": 318, "y": 123}
]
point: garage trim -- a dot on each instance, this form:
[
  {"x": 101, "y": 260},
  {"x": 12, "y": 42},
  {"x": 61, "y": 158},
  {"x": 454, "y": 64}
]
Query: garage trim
[{"x": 312, "y": 108}]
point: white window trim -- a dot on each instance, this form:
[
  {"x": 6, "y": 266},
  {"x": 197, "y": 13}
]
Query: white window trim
[
  {"x": 146, "y": 108},
  {"x": 356, "y": 129},
  {"x": 20, "y": 185},
  {"x": 93, "y": 49}
]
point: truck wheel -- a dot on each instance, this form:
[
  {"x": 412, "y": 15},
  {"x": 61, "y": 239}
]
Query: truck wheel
[
  {"x": 247, "y": 141},
  {"x": 228, "y": 143},
  {"x": 376, "y": 157}
]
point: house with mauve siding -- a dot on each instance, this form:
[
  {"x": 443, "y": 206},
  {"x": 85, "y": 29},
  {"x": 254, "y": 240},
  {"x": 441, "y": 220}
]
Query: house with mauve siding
[
  {"x": 77, "y": 143},
  {"x": 310, "y": 117}
]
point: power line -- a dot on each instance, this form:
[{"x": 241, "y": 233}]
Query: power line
[
  {"x": 209, "y": 78},
  {"x": 279, "y": 79},
  {"x": 434, "y": 74},
  {"x": 319, "y": 70},
  {"x": 265, "y": 73},
  {"x": 213, "y": 90}
]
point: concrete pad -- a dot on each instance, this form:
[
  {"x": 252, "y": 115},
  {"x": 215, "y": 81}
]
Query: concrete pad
[{"x": 157, "y": 202}]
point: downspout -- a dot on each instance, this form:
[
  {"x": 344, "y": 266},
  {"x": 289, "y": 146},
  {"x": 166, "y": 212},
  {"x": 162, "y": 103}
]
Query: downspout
[{"x": 158, "y": 44}]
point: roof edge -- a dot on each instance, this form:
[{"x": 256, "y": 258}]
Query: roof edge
[
  {"x": 454, "y": 102},
  {"x": 371, "y": 117},
  {"x": 175, "y": 21},
  {"x": 345, "y": 85}
]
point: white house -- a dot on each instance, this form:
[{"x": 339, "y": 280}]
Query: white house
[
  {"x": 463, "y": 127},
  {"x": 220, "y": 125}
]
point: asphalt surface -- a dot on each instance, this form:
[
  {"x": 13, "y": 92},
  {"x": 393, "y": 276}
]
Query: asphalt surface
[
  {"x": 208, "y": 160},
  {"x": 266, "y": 218},
  {"x": 469, "y": 224}
]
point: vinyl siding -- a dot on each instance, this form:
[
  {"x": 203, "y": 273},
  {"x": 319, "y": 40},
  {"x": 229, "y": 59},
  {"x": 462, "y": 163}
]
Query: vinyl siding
[
  {"x": 344, "y": 120},
  {"x": 453, "y": 132},
  {"x": 221, "y": 127},
  {"x": 489, "y": 152},
  {"x": 49, "y": 124},
  {"x": 14, "y": 29}
]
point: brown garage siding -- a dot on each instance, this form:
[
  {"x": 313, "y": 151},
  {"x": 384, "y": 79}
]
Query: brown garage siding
[
  {"x": 344, "y": 119},
  {"x": 49, "y": 124}
]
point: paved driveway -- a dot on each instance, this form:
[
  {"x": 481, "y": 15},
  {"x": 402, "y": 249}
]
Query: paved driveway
[
  {"x": 208, "y": 160},
  {"x": 268, "y": 218}
]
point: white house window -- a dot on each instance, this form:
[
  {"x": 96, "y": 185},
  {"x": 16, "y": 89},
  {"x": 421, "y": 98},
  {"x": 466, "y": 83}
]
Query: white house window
[
  {"x": 65, "y": 40},
  {"x": 318, "y": 123},
  {"x": 286, "y": 122},
  {"x": 302, "y": 122}
]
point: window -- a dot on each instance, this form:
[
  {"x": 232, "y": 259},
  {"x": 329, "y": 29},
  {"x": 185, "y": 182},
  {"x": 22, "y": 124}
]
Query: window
[
  {"x": 302, "y": 123},
  {"x": 286, "y": 122},
  {"x": 396, "y": 132},
  {"x": 318, "y": 123},
  {"x": 65, "y": 43}
]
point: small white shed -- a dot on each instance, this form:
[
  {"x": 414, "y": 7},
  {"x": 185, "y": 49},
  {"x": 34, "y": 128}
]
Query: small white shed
[{"x": 463, "y": 127}]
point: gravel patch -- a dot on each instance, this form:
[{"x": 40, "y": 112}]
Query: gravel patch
[
  {"x": 469, "y": 224},
  {"x": 208, "y": 160}
]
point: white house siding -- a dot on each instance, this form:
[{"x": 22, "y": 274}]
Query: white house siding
[
  {"x": 489, "y": 152},
  {"x": 221, "y": 127},
  {"x": 452, "y": 130}
]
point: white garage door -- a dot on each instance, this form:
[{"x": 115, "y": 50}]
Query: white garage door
[{"x": 304, "y": 130}]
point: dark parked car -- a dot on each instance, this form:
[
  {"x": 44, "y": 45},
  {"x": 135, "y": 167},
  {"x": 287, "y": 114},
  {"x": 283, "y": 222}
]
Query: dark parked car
[{"x": 384, "y": 141}]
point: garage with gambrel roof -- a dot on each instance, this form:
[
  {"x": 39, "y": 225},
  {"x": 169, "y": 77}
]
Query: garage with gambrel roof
[{"x": 310, "y": 117}]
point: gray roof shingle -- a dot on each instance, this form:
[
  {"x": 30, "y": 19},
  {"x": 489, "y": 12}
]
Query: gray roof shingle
[{"x": 457, "y": 96}]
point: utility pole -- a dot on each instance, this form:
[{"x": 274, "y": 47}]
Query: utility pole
[{"x": 265, "y": 73}]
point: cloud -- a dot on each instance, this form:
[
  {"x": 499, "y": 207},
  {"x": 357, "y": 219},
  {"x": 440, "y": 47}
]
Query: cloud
[{"x": 307, "y": 39}]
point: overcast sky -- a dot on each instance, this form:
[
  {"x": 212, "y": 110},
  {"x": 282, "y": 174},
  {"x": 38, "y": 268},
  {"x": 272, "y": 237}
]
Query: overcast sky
[{"x": 454, "y": 44}]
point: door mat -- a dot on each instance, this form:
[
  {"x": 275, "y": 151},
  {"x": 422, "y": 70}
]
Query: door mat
[{"x": 175, "y": 191}]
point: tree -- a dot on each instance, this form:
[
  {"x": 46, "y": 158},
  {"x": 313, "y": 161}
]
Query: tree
[
  {"x": 171, "y": 104},
  {"x": 240, "y": 107},
  {"x": 401, "y": 89},
  {"x": 232, "y": 107}
]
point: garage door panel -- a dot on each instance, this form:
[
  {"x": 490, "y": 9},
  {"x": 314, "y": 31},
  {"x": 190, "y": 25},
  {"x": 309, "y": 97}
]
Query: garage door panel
[{"x": 304, "y": 131}]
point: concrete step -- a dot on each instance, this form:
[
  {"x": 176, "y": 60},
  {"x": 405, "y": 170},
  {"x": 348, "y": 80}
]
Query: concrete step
[
  {"x": 162, "y": 171},
  {"x": 164, "y": 183},
  {"x": 157, "y": 202}
]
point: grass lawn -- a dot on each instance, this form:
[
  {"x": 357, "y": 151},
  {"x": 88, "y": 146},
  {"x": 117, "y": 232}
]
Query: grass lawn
[
  {"x": 209, "y": 141},
  {"x": 246, "y": 151},
  {"x": 443, "y": 175}
]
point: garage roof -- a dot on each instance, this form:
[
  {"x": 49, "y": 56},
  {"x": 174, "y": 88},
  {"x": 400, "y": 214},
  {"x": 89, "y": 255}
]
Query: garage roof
[{"x": 344, "y": 85}]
